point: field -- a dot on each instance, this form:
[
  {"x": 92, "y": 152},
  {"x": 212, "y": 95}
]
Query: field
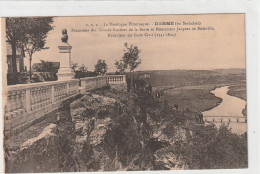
[
  {"x": 238, "y": 91},
  {"x": 194, "y": 98}
]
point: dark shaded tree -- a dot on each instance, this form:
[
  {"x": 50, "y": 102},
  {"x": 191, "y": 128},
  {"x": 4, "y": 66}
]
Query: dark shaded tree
[
  {"x": 101, "y": 67},
  {"x": 207, "y": 147},
  {"x": 35, "y": 35},
  {"x": 83, "y": 68},
  {"x": 15, "y": 32},
  {"x": 27, "y": 34},
  {"x": 47, "y": 66}
]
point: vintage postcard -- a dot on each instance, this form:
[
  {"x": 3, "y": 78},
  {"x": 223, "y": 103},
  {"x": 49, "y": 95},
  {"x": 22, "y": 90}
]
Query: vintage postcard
[{"x": 124, "y": 93}]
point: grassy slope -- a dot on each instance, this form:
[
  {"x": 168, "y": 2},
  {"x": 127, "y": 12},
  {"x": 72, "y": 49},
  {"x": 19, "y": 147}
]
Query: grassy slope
[
  {"x": 195, "y": 98},
  {"x": 238, "y": 91}
]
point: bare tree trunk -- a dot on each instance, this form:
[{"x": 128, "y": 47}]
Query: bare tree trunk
[
  {"x": 14, "y": 77},
  {"x": 14, "y": 67},
  {"x": 30, "y": 71}
]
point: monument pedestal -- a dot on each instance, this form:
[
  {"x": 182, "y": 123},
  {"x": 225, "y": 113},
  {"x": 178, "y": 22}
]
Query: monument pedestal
[{"x": 65, "y": 72}]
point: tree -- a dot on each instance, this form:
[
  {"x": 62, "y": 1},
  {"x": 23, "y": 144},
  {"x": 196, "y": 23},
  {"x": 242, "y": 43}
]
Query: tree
[
  {"x": 83, "y": 68},
  {"x": 214, "y": 148},
  {"x": 14, "y": 34},
  {"x": 120, "y": 66},
  {"x": 101, "y": 67},
  {"x": 74, "y": 66},
  {"x": 35, "y": 35},
  {"x": 130, "y": 59},
  {"x": 27, "y": 34}
]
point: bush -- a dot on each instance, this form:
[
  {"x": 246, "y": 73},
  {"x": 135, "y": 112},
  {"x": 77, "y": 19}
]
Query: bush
[
  {"x": 23, "y": 77},
  {"x": 207, "y": 147},
  {"x": 81, "y": 74},
  {"x": 43, "y": 76},
  {"x": 17, "y": 78}
]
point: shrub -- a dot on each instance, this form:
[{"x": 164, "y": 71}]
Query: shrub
[
  {"x": 43, "y": 76},
  {"x": 207, "y": 147},
  {"x": 81, "y": 74}
]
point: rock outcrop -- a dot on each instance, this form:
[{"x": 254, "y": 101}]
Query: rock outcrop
[
  {"x": 102, "y": 131},
  {"x": 39, "y": 154},
  {"x": 106, "y": 138}
]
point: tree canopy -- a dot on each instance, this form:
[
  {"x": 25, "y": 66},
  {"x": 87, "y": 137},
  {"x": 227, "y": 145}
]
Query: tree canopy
[
  {"x": 207, "y": 147},
  {"x": 130, "y": 59},
  {"x": 101, "y": 67},
  {"x": 83, "y": 68},
  {"x": 27, "y": 34}
]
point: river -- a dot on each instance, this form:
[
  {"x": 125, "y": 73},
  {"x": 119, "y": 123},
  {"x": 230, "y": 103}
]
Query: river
[{"x": 230, "y": 106}]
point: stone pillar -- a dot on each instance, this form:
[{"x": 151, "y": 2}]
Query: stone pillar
[{"x": 65, "y": 72}]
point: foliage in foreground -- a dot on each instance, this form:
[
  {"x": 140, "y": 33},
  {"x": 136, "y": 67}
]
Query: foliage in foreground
[{"x": 207, "y": 147}]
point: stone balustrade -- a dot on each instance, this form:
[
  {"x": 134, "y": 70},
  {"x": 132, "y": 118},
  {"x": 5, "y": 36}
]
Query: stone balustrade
[
  {"x": 27, "y": 102},
  {"x": 27, "y": 99},
  {"x": 92, "y": 83},
  {"x": 222, "y": 119},
  {"x": 116, "y": 79}
]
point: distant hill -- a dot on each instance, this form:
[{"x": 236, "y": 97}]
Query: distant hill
[
  {"x": 194, "y": 77},
  {"x": 231, "y": 71}
]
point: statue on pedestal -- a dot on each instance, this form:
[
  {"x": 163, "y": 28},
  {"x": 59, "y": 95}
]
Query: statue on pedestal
[
  {"x": 65, "y": 72},
  {"x": 64, "y": 37}
]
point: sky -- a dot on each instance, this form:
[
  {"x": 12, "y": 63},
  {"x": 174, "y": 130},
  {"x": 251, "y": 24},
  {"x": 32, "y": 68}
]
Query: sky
[{"x": 223, "y": 47}]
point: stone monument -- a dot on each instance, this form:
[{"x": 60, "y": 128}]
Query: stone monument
[{"x": 65, "y": 72}]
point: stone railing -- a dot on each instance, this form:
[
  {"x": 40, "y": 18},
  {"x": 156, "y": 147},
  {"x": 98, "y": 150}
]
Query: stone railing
[
  {"x": 116, "y": 79},
  {"x": 222, "y": 119},
  {"x": 27, "y": 99},
  {"x": 92, "y": 83},
  {"x": 27, "y": 102}
]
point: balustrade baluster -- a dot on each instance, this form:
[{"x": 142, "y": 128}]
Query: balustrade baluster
[
  {"x": 47, "y": 95},
  {"x": 35, "y": 97},
  {"x": 8, "y": 106},
  {"x": 18, "y": 100},
  {"x": 24, "y": 101},
  {"x": 58, "y": 92},
  {"x": 44, "y": 96},
  {"x": 28, "y": 100},
  {"x": 61, "y": 92},
  {"x": 15, "y": 101},
  {"x": 12, "y": 101},
  {"x": 38, "y": 97},
  {"x": 35, "y": 93}
]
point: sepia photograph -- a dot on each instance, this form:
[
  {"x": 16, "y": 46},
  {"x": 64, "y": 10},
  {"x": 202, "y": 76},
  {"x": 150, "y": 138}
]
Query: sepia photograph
[{"x": 124, "y": 93}]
